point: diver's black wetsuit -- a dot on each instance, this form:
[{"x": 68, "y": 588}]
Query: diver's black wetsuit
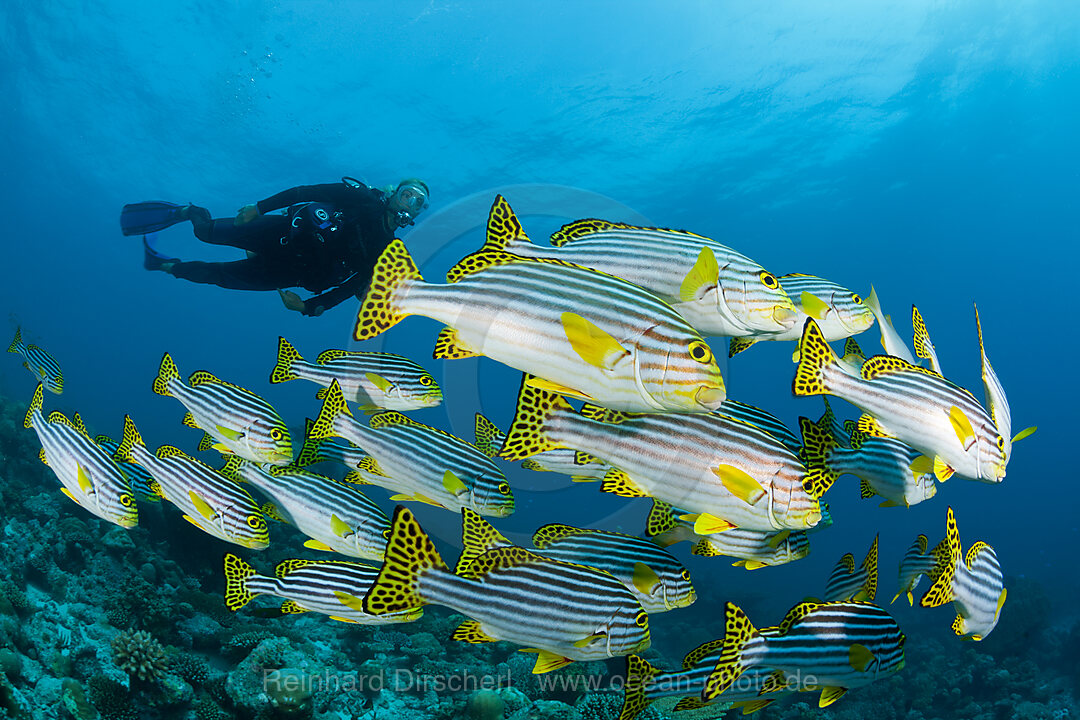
[{"x": 341, "y": 259}]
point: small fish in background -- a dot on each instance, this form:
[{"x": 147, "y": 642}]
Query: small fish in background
[
  {"x": 372, "y": 380},
  {"x": 88, "y": 476},
  {"x": 577, "y": 331},
  {"x": 915, "y": 563},
  {"x": 335, "y": 515},
  {"x": 909, "y": 403},
  {"x": 418, "y": 462},
  {"x": 241, "y": 421},
  {"x": 141, "y": 481},
  {"x": 885, "y": 467},
  {"x": 842, "y": 645},
  {"x": 890, "y": 339},
  {"x": 490, "y": 439},
  {"x": 850, "y": 583},
  {"x": 210, "y": 501},
  {"x": 839, "y": 312},
  {"x": 335, "y": 588},
  {"x": 755, "y": 549},
  {"x": 973, "y": 583},
  {"x": 658, "y": 580},
  {"x": 39, "y": 363},
  {"x": 717, "y": 290},
  {"x": 561, "y": 611}
]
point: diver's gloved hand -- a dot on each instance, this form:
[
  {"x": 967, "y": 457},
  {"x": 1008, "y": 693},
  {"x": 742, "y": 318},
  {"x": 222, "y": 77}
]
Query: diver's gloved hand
[
  {"x": 246, "y": 214},
  {"x": 293, "y": 302}
]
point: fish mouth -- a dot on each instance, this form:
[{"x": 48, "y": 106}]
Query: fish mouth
[
  {"x": 784, "y": 316},
  {"x": 710, "y": 397}
]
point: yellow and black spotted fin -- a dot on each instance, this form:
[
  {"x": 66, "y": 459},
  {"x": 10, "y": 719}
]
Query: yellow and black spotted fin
[
  {"x": 816, "y": 452},
  {"x": 477, "y": 536},
  {"x": 409, "y": 554},
  {"x": 499, "y": 558},
  {"x": 749, "y": 707},
  {"x": 207, "y": 442},
  {"x": 798, "y": 613},
  {"x": 701, "y": 652},
  {"x": 815, "y": 355},
  {"x": 946, "y": 557},
  {"x": 167, "y": 372},
  {"x": 583, "y": 458},
  {"x": 704, "y": 548},
  {"x": 553, "y": 533},
  {"x": 866, "y": 490},
  {"x": 774, "y": 682},
  {"x": 78, "y": 424},
  {"x": 333, "y": 405},
  {"x": 471, "y": 632},
  {"x": 35, "y": 406},
  {"x": 290, "y": 607},
  {"x": 869, "y": 426},
  {"x": 379, "y": 311},
  {"x": 368, "y": 464},
  {"x": 503, "y": 230},
  {"x": 286, "y": 356},
  {"x": 604, "y": 415},
  {"x": 449, "y": 346},
  {"x": 661, "y": 519},
  {"x": 617, "y": 482},
  {"x": 189, "y": 421},
  {"x": 880, "y": 365},
  {"x": 129, "y": 440},
  {"x": 487, "y": 436},
  {"x": 527, "y": 434},
  {"x": 236, "y": 574},
  {"x": 738, "y": 632},
  {"x": 737, "y": 344},
  {"x": 690, "y": 703},
  {"x": 638, "y": 674},
  {"x": 41, "y": 456}
]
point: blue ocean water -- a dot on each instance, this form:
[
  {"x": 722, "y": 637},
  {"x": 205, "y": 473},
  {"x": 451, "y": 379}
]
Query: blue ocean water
[{"x": 927, "y": 149}]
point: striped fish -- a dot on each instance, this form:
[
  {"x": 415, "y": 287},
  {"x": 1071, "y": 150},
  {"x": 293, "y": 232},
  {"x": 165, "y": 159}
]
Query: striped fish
[
  {"x": 890, "y": 339},
  {"x": 996, "y": 402},
  {"x": 915, "y": 563},
  {"x": 839, "y": 312},
  {"x": 646, "y": 684},
  {"x": 242, "y": 422},
  {"x": 754, "y": 548},
  {"x": 328, "y": 587},
  {"x": 850, "y": 583},
  {"x": 40, "y": 364},
  {"x": 335, "y": 515},
  {"x": 370, "y": 379},
  {"x": 141, "y": 481},
  {"x": 561, "y": 611},
  {"x": 490, "y": 439},
  {"x": 841, "y": 645},
  {"x": 973, "y": 583},
  {"x": 654, "y": 576},
  {"x": 730, "y": 473},
  {"x": 717, "y": 290},
  {"x": 578, "y": 331},
  {"x": 316, "y": 450},
  {"x": 419, "y": 462},
  {"x": 88, "y": 476},
  {"x": 912, "y": 404},
  {"x": 924, "y": 348},
  {"x": 209, "y": 500},
  {"x": 762, "y": 419},
  {"x": 886, "y": 467}
]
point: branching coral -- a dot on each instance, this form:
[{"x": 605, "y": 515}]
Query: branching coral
[{"x": 138, "y": 654}]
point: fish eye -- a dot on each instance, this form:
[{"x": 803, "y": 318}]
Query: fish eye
[
  {"x": 1000, "y": 442},
  {"x": 276, "y": 433},
  {"x": 686, "y": 575},
  {"x": 700, "y": 351},
  {"x": 126, "y": 500},
  {"x": 426, "y": 380},
  {"x": 504, "y": 488},
  {"x": 255, "y": 522},
  {"x": 856, "y": 299},
  {"x": 768, "y": 280},
  {"x": 641, "y": 619}
]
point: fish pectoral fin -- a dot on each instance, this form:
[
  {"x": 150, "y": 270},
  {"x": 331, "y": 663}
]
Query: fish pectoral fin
[
  {"x": 589, "y": 640},
  {"x": 339, "y": 527},
  {"x": 221, "y": 448},
  {"x": 1026, "y": 432},
  {"x": 922, "y": 465},
  {"x": 546, "y": 661},
  {"x": 379, "y": 381},
  {"x": 349, "y": 600},
  {"x": 227, "y": 433},
  {"x": 814, "y": 306},
  {"x": 317, "y": 545},
  {"x": 942, "y": 470},
  {"x": 860, "y": 657},
  {"x": 962, "y": 427},
  {"x": 201, "y": 505},
  {"x": 645, "y": 578},
  {"x": 739, "y": 483},
  {"x": 593, "y": 344},
  {"x": 471, "y": 631},
  {"x": 453, "y": 484},
  {"x": 706, "y": 524},
  {"x": 702, "y": 277},
  {"x": 830, "y": 695},
  {"x": 343, "y": 619},
  {"x": 775, "y": 540},
  {"x": 85, "y": 484}
]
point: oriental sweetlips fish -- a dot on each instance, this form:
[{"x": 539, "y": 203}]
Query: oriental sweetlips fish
[{"x": 40, "y": 364}]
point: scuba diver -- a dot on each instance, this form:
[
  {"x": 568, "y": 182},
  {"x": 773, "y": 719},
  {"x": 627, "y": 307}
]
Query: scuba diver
[{"x": 326, "y": 241}]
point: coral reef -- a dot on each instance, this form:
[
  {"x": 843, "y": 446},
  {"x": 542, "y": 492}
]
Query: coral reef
[{"x": 138, "y": 654}]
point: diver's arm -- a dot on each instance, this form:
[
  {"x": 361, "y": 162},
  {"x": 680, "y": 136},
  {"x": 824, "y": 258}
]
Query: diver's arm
[{"x": 336, "y": 193}]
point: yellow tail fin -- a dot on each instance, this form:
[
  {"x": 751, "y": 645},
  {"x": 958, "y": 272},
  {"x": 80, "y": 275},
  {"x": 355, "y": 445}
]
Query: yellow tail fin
[
  {"x": 35, "y": 406},
  {"x": 504, "y": 230},
  {"x": 379, "y": 312},
  {"x": 818, "y": 443},
  {"x": 738, "y": 631},
  {"x": 286, "y": 356},
  {"x": 333, "y": 405},
  {"x": 130, "y": 439},
  {"x": 946, "y": 555},
  {"x": 489, "y": 437},
  {"x": 815, "y": 356},
  {"x": 527, "y": 434},
  {"x": 166, "y": 371},
  {"x": 16, "y": 344},
  {"x": 409, "y": 554},
  {"x": 638, "y": 674},
  {"x": 236, "y": 574},
  {"x": 869, "y": 564}
]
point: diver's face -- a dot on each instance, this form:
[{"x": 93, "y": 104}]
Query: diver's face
[{"x": 409, "y": 199}]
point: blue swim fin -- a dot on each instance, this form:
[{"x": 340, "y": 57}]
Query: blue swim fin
[
  {"x": 147, "y": 217},
  {"x": 152, "y": 259}
]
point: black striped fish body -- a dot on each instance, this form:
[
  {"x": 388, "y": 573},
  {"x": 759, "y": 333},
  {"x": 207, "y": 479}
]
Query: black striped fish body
[
  {"x": 917, "y": 406},
  {"x": 88, "y": 476},
  {"x": 141, "y": 481},
  {"x": 839, "y": 312},
  {"x": 561, "y": 611},
  {"x": 915, "y": 563},
  {"x": 38, "y": 363},
  {"x": 831, "y": 647},
  {"x": 370, "y": 379},
  {"x": 329, "y": 587},
  {"x": 848, "y": 582},
  {"x": 419, "y": 462},
  {"x": 210, "y": 501},
  {"x": 762, "y": 419},
  {"x": 658, "y": 580},
  {"x": 717, "y": 290},
  {"x": 973, "y": 583},
  {"x": 335, "y": 515},
  {"x": 729, "y": 473},
  {"x": 578, "y": 331},
  {"x": 490, "y": 439},
  {"x": 241, "y": 421}
]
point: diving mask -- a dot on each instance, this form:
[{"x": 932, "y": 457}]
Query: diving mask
[{"x": 408, "y": 201}]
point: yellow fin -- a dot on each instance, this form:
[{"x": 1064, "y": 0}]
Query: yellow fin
[
  {"x": 645, "y": 578},
  {"x": 70, "y": 496},
  {"x": 471, "y": 632},
  {"x": 339, "y": 526},
  {"x": 314, "y": 544},
  {"x": 448, "y": 346},
  {"x": 814, "y": 306},
  {"x": 201, "y": 505},
  {"x": 227, "y": 433},
  {"x": 41, "y": 456},
  {"x": 350, "y": 601},
  {"x": 593, "y": 344},
  {"x": 704, "y": 276},
  {"x": 830, "y": 695},
  {"x": 706, "y": 524},
  {"x": 1026, "y": 432},
  {"x": 547, "y": 385},
  {"x": 775, "y": 540},
  {"x": 453, "y": 483},
  {"x": 589, "y": 639},
  {"x": 942, "y": 470},
  {"x": 961, "y": 426},
  {"x": 546, "y": 661},
  {"x": 619, "y": 483},
  {"x": 379, "y": 381},
  {"x": 740, "y": 484},
  {"x": 83, "y": 479},
  {"x": 922, "y": 465}
]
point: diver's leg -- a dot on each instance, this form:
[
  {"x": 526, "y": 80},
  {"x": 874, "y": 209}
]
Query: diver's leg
[
  {"x": 253, "y": 236},
  {"x": 239, "y": 275}
]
